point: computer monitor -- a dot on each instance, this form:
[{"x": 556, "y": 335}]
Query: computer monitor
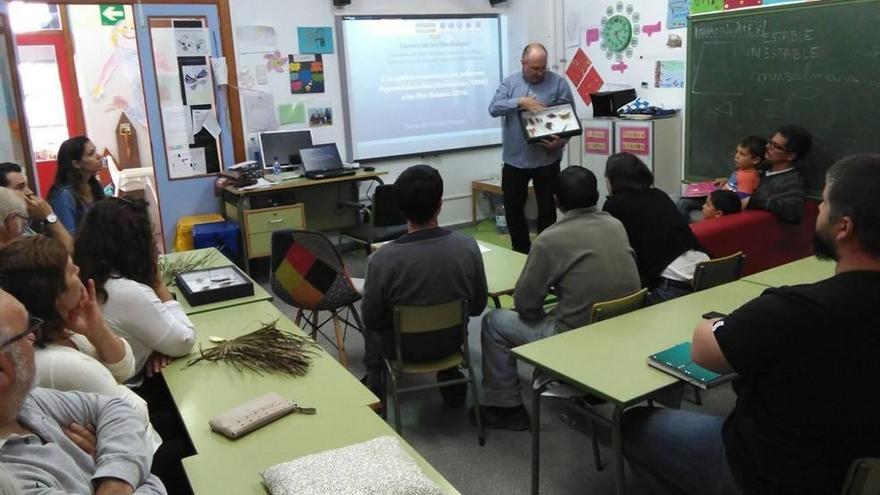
[
  {"x": 321, "y": 158},
  {"x": 285, "y": 145}
]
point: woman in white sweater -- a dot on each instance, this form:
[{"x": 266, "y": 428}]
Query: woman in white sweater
[
  {"x": 115, "y": 248},
  {"x": 75, "y": 349}
]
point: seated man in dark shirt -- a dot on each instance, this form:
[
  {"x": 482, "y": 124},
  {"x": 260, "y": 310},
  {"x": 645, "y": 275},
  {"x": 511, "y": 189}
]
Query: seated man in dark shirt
[
  {"x": 427, "y": 265},
  {"x": 807, "y": 359},
  {"x": 781, "y": 190}
]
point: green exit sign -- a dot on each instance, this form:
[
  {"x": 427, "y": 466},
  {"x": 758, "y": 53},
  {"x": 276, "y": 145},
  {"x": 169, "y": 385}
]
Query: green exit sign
[{"x": 111, "y": 14}]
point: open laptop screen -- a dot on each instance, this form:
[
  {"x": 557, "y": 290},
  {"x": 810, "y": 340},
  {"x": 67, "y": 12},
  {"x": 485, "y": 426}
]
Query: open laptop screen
[{"x": 321, "y": 158}]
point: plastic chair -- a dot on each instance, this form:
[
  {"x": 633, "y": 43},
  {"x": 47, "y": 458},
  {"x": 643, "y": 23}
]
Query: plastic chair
[
  {"x": 600, "y": 311},
  {"x": 718, "y": 271},
  {"x": 421, "y": 320},
  {"x": 863, "y": 478},
  {"x": 306, "y": 272},
  {"x": 384, "y": 222}
]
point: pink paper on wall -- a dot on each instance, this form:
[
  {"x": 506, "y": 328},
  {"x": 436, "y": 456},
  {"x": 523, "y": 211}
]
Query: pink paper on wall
[
  {"x": 635, "y": 139},
  {"x": 597, "y": 141},
  {"x": 737, "y": 4}
]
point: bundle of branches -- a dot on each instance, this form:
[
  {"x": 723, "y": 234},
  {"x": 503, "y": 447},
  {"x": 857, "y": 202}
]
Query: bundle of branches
[
  {"x": 267, "y": 349},
  {"x": 184, "y": 263}
]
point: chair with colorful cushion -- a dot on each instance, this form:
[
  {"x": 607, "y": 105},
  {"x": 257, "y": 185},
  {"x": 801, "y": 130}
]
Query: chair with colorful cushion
[{"x": 306, "y": 272}]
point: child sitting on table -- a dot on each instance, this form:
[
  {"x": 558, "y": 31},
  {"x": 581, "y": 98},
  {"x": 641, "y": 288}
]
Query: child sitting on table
[
  {"x": 721, "y": 202},
  {"x": 744, "y": 179}
]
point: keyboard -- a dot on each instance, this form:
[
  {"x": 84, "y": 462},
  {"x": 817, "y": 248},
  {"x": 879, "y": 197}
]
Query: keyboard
[{"x": 329, "y": 174}]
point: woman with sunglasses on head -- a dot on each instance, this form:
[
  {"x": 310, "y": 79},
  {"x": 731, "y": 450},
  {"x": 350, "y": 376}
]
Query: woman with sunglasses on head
[
  {"x": 76, "y": 187},
  {"x": 74, "y": 348},
  {"x": 116, "y": 249}
]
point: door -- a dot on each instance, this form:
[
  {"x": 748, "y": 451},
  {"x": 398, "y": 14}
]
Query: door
[
  {"x": 186, "y": 108},
  {"x": 13, "y": 126}
]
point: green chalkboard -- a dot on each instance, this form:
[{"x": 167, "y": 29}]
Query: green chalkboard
[{"x": 814, "y": 64}]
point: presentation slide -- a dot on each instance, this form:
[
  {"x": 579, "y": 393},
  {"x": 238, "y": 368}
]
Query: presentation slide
[{"x": 419, "y": 85}]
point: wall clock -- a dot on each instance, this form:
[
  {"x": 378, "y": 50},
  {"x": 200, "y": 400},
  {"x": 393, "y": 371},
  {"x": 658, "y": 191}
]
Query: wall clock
[{"x": 620, "y": 30}]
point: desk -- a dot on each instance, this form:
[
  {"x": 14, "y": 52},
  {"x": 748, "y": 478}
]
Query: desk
[
  {"x": 802, "y": 271},
  {"x": 285, "y": 203},
  {"x": 214, "y": 260},
  {"x": 608, "y": 358},
  {"x": 233, "y": 466},
  {"x": 489, "y": 186}
]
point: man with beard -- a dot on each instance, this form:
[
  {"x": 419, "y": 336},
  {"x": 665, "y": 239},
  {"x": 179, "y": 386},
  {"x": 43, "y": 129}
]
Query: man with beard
[
  {"x": 808, "y": 370},
  {"x": 42, "y": 443}
]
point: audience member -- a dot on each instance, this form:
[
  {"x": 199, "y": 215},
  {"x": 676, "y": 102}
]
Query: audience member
[
  {"x": 584, "y": 257},
  {"x": 76, "y": 350},
  {"x": 667, "y": 251},
  {"x": 721, "y": 202},
  {"x": 39, "y": 210},
  {"x": 789, "y": 347},
  {"x": 427, "y": 265},
  {"x": 116, "y": 249},
  {"x": 76, "y": 187},
  {"x": 782, "y": 189},
  {"x": 45, "y": 444},
  {"x": 13, "y": 215}
]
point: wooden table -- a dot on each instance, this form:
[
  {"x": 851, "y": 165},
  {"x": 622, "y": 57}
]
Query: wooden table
[
  {"x": 214, "y": 259},
  {"x": 608, "y": 358},
  {"x": 803, "y": 271},
  {"x": 489, "y": 186}
]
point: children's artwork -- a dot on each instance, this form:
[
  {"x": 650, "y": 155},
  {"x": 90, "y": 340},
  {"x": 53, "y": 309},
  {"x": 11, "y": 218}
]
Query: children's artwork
[
  {"x": 315, "y": 39},
  {"x": 191, "y": 42},
  {"x": 196, "y": 85},
  {"x": 669, "y": 74},
  {"x": 677, "y": 14},
  {"x": 292, "y": 113},
  {"x": 275, "y": 61},
  {"x": 306, "y": 74},
  {"x": 320, "y": 116},
  {"x": 255, "y": 39},
  {"x": 260, "y": 112},
  {"x": 123, "y": 61}
]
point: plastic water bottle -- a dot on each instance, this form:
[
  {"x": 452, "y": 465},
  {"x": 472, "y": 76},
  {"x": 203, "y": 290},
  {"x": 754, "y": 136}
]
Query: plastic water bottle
[
  {"x": 500, "y": 219},
  {"x": 276, "y": 166}
]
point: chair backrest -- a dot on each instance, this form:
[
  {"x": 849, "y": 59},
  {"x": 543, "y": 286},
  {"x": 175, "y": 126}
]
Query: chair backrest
[
  {"x": 306, "y": 271},
  {"x": 719, "y": 271},
  {"x": 863, "y": 478},
  {"x": 615, "y": 307},
  {"x": 386, "y": 213},
  {"x": 427, "y": 319}
]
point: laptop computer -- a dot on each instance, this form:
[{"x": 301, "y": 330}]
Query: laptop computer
[{"x": 323, "y": 162}]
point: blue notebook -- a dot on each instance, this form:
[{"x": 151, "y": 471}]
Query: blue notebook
[{"x": 677, "y": 362}]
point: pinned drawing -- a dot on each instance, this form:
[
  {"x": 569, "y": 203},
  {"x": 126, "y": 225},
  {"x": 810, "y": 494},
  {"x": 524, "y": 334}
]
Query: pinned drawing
[
  {"x": 275, "y": 61},
  {"x": 306, "y": 74},
  {"x": 669, "y": 74},
  {"x": 191, "y": 42},
  {"x": 315, "y": 39},
  {"x": 124, "y": 60}
]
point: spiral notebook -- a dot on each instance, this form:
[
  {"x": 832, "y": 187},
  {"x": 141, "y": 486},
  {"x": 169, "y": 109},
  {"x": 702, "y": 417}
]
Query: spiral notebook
[{"x": 677, "y": 362}]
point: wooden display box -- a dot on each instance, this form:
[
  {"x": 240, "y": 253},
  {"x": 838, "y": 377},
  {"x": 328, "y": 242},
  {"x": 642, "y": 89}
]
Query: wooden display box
[
  {"x": 559, "y": 120},
  {"x": 211, "y": 285}
]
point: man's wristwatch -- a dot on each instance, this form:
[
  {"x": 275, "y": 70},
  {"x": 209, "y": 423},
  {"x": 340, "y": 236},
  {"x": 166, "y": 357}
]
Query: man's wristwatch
[{"x": 50, "y": 219}]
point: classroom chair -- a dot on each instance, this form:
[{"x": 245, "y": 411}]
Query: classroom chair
[
  {"x": 718, "y": 271},
  {"x": 384, "y": 221},
  {"x": 600, "y": 311},
  {"x": 306, "y": 272},
  {"x": 863, "y": 478},
  {"x": 410, "y": 320}
]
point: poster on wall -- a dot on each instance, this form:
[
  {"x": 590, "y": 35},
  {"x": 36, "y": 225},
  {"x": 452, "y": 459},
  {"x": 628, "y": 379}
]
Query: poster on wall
[
  {"x": 306, "y": 74},
  {"x": 669, "y": 74},
  {"x": 320, "y": 114},
  {"x": 196, "y": 83},
  {"x": 255, "y": 38},
  {"x": 315, "y": 39},
  {"x": 677, "y": 14},
  {"x": 292, "y": 113},
  {"x": 191, "y": 41},
  {"x": 701, "y": 6}
]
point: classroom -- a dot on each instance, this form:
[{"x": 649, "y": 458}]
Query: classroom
[{"x": 461, "y": 246}]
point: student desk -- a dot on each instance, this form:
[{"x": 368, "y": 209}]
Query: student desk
[
  {"x": 802, "y": 271},
  {"x": 233, "y": 466},
  {"x": 261, "y": 211},
  {"x": 215, "y": 260},
  {"x": 608, "y": 358}
]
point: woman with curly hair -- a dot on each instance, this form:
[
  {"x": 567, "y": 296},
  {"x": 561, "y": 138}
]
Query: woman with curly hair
[
  {"x": 115, "y": 248},
  {"x": 76, "y": 187}
]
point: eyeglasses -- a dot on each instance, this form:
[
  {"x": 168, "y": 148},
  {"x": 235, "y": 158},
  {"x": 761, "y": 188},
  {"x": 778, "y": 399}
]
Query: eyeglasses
[
  {"x": 34, "y": 326},
  {"x": 774, "y": 145}
]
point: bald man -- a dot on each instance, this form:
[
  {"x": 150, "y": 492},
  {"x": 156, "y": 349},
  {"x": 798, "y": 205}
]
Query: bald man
[{"x": 532, "y": 89}]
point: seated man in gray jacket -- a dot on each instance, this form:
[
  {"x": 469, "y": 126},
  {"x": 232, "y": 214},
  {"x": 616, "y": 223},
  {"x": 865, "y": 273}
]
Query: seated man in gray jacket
[
  {"x": 585, "y": 257},
  {"x": 427, "y": 265},
  {"x": 37, "y": 447}
]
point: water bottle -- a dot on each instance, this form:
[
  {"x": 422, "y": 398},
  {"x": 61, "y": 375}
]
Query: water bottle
[
  {"x": 276, "y": 166},
  {"x": 500, "y": 219}
]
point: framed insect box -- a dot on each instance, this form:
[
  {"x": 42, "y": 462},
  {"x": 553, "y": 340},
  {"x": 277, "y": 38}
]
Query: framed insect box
[
  {"x": 214, "y": 284},
  {"x": 559, "y": 120}
]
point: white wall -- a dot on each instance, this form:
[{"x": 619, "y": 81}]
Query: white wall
[{"x": 525, "y": 23}]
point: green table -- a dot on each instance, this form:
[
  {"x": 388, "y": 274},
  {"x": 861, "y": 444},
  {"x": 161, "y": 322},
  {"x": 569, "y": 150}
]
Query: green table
[
  {"x": 803, "y": 271},
  {"x": 215, "y": 260},
  {"x": 503, "y": 267},
  {"x": 608, "y": 358},
  {"x": 233, "y": 466}
]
